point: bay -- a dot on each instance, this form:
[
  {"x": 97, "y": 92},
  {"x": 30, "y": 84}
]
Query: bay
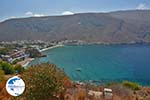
[{"x": 102, "y": 63}]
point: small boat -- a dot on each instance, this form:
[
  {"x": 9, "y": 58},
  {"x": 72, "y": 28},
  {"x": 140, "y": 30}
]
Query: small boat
[{"x": 78, "y": 69}]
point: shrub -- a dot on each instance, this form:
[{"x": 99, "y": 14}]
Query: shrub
[
  {"x": 6, "y": 67},
  {"x": 43, "y": 82},
  {"x": 19, "y": 68},
  {"x": 131, "y": 85}
]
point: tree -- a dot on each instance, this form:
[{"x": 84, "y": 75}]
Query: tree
[
  {"x": 6, "y": 67},
  {"x": 19, "y": 68},
  {"x": 43, "y": 82}
]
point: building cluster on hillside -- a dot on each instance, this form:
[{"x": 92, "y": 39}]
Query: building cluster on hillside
[
  {"x": 19, "y": 50},
  {"x": 14, "y": 55},
  {"x": 76, "y": 42}
]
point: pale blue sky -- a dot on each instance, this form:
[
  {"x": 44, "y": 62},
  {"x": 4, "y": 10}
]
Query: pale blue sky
[{"x": 26, "y": 8}]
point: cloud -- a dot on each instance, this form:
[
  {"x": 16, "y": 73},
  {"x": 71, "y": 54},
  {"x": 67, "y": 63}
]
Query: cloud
[
  {"x": 38, "y": 15},
  {"x": 67, "y": 13},
  {"x": 31, "y": 14},
  {"x": 27, "y": 14},
  {"x": 141, "y": 7}
]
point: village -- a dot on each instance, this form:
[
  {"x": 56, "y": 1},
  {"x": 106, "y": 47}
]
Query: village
[
  {"x": 18, "y": 51},
  {"x": 22, "y": 52}
]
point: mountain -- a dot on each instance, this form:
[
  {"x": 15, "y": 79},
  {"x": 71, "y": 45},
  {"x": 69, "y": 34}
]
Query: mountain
[{"x": 115, "y": 27}]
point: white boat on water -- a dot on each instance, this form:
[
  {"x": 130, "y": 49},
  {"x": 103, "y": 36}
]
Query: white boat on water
[{"x": 78, "y": 69}]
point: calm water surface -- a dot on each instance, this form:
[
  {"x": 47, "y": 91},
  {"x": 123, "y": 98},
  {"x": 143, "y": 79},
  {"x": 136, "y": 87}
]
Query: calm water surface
[{"x": 102, "y": 63}]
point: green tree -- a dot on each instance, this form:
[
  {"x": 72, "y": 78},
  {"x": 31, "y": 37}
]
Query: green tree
[
  {"x": 19, "y": 68},
  {"x": 6, "y": 67},
  {"x": 43, "y": 82}
]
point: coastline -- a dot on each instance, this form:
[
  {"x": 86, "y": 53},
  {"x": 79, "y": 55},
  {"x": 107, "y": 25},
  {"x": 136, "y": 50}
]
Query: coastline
[
  {"x": 52, "y": 47},
  {"x": 25, "y": 62}
]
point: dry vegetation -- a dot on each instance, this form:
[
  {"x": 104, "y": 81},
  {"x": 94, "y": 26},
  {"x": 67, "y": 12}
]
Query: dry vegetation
[
  {"x": 3, "y": 93},
  {"x": 47, "y": 82}
]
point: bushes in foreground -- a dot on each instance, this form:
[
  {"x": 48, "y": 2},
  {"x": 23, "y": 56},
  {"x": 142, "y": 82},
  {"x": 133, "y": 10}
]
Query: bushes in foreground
[
  {"x": 126, "y": 84},
  {"x": 43, "y": 82},
  {"x": 19, "y": 68},
  {"x": 9, "y": 68},
  {"x": 131, "y": 85},
  {"x": 6, "y": 67}
]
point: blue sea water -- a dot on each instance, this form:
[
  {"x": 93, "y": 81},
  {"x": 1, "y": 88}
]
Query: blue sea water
[{"x": 103, "y": 63}]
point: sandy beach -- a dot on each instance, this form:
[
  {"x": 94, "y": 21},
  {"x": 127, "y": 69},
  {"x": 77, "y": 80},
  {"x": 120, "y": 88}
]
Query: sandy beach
[{"x": 25, "y": 62}]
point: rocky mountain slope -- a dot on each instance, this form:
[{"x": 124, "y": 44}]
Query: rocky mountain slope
[{"x": 115, "y": 27}]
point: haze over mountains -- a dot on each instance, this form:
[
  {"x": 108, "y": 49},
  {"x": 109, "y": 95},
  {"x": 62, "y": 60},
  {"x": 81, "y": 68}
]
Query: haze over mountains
[{"x": 115, "y": 27}]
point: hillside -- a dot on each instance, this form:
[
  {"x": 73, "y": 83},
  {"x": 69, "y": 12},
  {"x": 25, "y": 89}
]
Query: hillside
[
  {"x": 114, "y": 27},
  {"x": 56, "y": 85}
]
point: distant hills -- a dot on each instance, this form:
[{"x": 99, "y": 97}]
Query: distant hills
[{"x": 115, "y": 27}]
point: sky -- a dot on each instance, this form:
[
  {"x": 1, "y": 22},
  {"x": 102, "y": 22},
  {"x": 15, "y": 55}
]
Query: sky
[{"x": 38, "y": 8}]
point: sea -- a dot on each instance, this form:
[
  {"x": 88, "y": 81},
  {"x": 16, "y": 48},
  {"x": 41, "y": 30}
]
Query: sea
[{"x": 102, "y": 63}]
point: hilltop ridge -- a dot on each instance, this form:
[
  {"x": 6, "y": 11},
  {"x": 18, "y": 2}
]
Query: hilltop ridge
[{"x": 131, "y": 26}]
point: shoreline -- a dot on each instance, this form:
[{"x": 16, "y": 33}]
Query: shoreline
[
  {"x": 52, "y": 47},
  {"x": 25, "y": 62}
]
